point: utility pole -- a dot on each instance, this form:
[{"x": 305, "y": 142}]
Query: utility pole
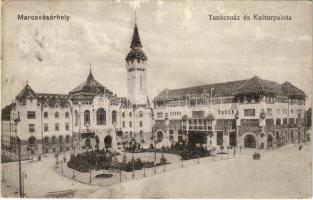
[{"x": 20, "y": 167}]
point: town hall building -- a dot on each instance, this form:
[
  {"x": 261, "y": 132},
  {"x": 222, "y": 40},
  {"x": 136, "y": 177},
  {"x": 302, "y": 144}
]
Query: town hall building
[{"x": 90, "y": 116}]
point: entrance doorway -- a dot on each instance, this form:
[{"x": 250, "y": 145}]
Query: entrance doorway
[
  {"x": 232, "y": 138},
  {"x": 249, "y": 141},
  {"x": 108, "y": 142},
  {"x": 269, "y": 141}
]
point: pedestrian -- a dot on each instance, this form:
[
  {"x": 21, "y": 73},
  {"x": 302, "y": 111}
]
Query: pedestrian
[{"x": 300, "y": 147}]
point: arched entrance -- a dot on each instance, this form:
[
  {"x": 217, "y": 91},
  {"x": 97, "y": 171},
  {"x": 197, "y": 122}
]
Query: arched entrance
[
  {"x": 88, "y": 143},
  {"x": 108, "y": 141},
  {"x": 249, "y": 141},
  {"x": 269, "y": 141}
]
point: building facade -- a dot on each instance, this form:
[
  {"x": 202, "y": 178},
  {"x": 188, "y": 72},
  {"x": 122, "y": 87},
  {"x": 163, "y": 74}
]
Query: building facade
[
  {"x": 89, "y": 117},
  {"x": 253, "y": 113}
]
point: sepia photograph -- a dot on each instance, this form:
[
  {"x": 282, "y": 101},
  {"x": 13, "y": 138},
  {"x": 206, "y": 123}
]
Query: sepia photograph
[{"x": 156, "y": 99}]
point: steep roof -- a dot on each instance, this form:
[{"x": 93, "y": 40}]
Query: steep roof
[
  {"x": 27, "y": 92},
  {"x": 136, "y": 52},
  {"x": 53, "y": 99},
  {"x": 291, "y": 90},
  {"x": 6, "y": 112},
  {"x": 253, "y": 86},
  {"x": 136, "y": 43},
  {"x": 216, "y": 89},
  {"x": 91, "y": 86}
]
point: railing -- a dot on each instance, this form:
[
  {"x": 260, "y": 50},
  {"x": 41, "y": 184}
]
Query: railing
[{"x": 122, "y": 176}]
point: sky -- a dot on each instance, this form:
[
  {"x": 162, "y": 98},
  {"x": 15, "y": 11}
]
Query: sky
[{"x": 184, "y": 48}]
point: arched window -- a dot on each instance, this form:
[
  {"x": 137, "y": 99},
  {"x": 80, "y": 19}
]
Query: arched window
[
  {"x": 67, "y": 115},
  {"x": 87, "y": 117},
  {"x": 101, "y": 116},
  {"x": 140, "y": 113},
  {"x": 114, "y": 117}
]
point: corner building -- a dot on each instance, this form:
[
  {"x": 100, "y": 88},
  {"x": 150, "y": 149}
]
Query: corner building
[
  {"x": 253, "y": 113},
  {"x": 90, "y": 116}
]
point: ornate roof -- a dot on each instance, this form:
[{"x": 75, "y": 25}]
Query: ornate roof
[
  {"x": 52, "y": 99},
  {"x": 291, "y": 90},
  {"x": 136, "y": 43},
  {"x": 136, "y": 52},
  {"x": 27, "y": 92},
  {"x": 217, "y": 89},
  {"x": 256, "y": 86},
  {"x": 91, "y": 86},
  {"x": 122, "y": 100},
  {"x": 253, "y": 86},
  {"x": 6, "y": 112}
]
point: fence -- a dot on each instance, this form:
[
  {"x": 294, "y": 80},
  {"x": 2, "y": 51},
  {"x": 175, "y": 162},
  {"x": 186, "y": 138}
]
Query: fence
[{"x": 122, "y": 176}]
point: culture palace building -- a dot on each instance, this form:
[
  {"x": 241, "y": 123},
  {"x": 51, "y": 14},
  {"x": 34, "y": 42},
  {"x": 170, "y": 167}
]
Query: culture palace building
[
  {"x": 89, "y": 116},
  {"x": 252, "y": 113}
]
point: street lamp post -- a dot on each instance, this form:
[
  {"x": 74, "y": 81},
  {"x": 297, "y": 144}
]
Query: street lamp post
[{"x": 20, "y": 166}]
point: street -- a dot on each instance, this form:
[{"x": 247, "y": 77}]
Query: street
[{"x": 280, "y": 173}]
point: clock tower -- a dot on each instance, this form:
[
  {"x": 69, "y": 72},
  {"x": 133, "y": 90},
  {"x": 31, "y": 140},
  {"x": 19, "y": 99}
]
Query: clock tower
[{"x": 136, "y": 65}]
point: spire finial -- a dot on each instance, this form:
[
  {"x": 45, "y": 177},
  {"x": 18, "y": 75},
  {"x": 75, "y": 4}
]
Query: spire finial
[
  {"x": 135, "y": 16},
  {"x": 90, "y": 68}
]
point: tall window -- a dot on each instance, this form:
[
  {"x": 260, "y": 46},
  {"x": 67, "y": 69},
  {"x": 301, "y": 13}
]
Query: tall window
[
  {"x": 56, "y": 114},
  {"x": 57, "y": 127},
  {"x": 101, "y": 116},
  {"x": 76, "y": 118},
  {"x": 45, "y": 114},
  {"x": 67, "y": 115},
  {"x": 140, "y": 123},
  {"x": 130, "y": 124},
  {"x": 31, "y": 128},
  {"x": 141, "y": 82},
  {"x": 87, "y": 117},
  {"x": 46, "y": 140},
  {"x": 130, "y": 114},
  {"x": 46, "y": 127},
  {"x": 114, "y": 117},
  {"x": 54, "y": 140},
  {"x": 67, "y": 139},
  {"x": 67, "y": 126},
  {"x": 140, "y": 114}
]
